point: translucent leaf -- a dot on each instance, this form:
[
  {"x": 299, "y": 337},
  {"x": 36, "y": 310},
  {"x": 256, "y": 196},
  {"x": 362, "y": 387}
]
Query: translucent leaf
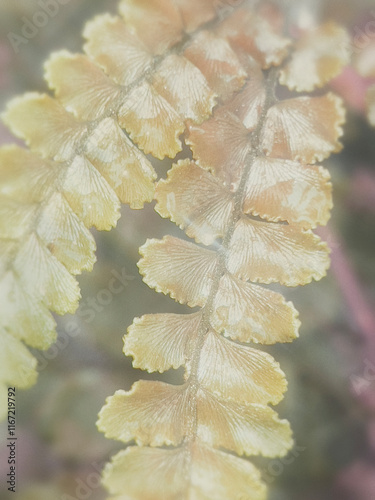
[
  {"x": 267, "y": 252},
  {"x": 44, "y": 276},
  {"x": 246, "y": 429},
  {"x": 218, "y": 62},
  {"x": 185, "y": 88},
  {"x": 194, "y": 13},
  {"x": 90, "y": 196},
  {"x": 117, "y": 49},
  {"x": 151, "y": 122},
  {"x": 155, "y": 413},
  {"x": 15, "y": 217},
  {"x": 45, "y": 125},
  {"x": 8, "y": 249},
  {"x": 256, "y": 36},
  {"x": 80, "y": 85},
  {"x": 126, "y": 169},
  {"x": 180, "y": 268},
  {"x": 318, "y": 57},
  {"x": 213, "y": 475},
  {"x": 283, "y": 190},
  {"x": 305, "y": 129},
  {"x": 248, "y": 104},
  {"x": 157, "y": 22},
  {"x": 159, "y": 342},
  {"x": 221, "y": 145},
  {"x": 24, "y": 315},
  {"x": 239, "y": 372},
  {"x": 66, "y": 236},
  {"x": 251, "y": 313},
  {"x": 196, "y": 201},
  {"x": 152, "y": 413},
  {"x": 25, "y": 177},
  {"x": 17, "y": 364}
]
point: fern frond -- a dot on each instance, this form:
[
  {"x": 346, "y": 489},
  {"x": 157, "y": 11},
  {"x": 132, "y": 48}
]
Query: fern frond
[
  {"x": 254, "y": 194},
  {"x": 81, "y": 163}
]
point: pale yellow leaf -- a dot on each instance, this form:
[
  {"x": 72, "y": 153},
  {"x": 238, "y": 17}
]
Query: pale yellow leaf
[
  {"x": 25, "y": 177},
  {"x": 121, "y": 163},
  {"x": 116, "y": 49},
  {"x": 283, "y": 190},
  {"x": 196, "y": 201},
  {"x": 15, "y": 217},
  {"x": 17, "y": 364},
  {"x": 157, "y": 22},
  {"x": 185, "y": 88},
  {"x": 44, "y": 276},
  {"x": 252, "y": 313},
  {"x": 267, "y": 252},
  {"x": 45, "y": 125},
  {"x": 194, "y": 13},
  {"x": 245, "y": 429},
  {"x": 254, "y": 34},
  {"x": 66, "y": 236},
  {"x": 151, "y": 122},
  {"x": 319, "y": 56},
  {"x": 222, "y": 145},
  {"x": 152, "y": 413},
  {"x": 23, "y": 315},
  {"x": 159, "y": 342},
  {"x": 238, "y": 372},
  {"x": 213, "y": 475},
  {"x": 90, "y": 196},
  {"x": 306, "y": 129},
  {"x": 81, "y": 86},
  {"x": 218, "y": 62},
  {"x": 248, "y": 103},
  {"x": 178, "y": 267},
  {"x": 156, "y": 414}
]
